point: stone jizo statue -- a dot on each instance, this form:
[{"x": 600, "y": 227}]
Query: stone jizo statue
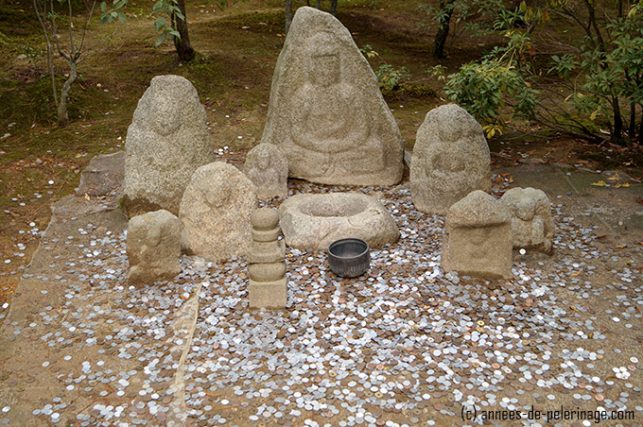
[
  {"x": 267, "y": 168},
  {"x": 532, "y": 225}
]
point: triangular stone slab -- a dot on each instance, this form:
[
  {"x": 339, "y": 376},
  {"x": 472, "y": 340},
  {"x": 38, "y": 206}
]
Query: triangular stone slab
[{"x": 326, "y": 111}]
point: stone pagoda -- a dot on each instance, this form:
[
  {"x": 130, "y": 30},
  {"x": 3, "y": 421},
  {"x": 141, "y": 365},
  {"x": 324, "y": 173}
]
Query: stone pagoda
[{"x": 266, "y": 264}]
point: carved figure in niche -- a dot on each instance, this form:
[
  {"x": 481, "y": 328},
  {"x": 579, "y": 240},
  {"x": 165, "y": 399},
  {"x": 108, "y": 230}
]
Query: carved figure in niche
[
  {"x": 153, "y": 247},
  {"x": 478, "y": 237},
  {"x": 267, "y": 168},
  {"x": 532, "y": 225},
  {"x": 450, "y": 159}
]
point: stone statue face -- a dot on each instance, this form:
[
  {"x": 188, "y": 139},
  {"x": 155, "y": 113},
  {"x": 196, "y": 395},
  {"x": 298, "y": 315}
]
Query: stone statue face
[
  {"x": 446, "y": 163},
  {"x": 449, "y": 133},
  {"x": 479, "y": 242},
  {"x": 527, "y": 205},
  {"x": 464, "y": 127},
  {"x": 164, "y": 114},
  {"x": 263, "y": 160},
  {"x": 324, "y": 70},
  {"x": 215, "y": 197},
  {"x": 525, "y": 210},
  {"x": 324, "y": 60},
  {"x": 446, "y": 166}
]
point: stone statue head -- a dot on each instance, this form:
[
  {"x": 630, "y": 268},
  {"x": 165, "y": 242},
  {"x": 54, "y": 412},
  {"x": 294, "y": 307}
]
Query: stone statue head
[
  {"x": 465, "y": 126},
  {"x": 263, "y": 159},
  {"x": 163, "y": 111},
  {"x": 324, "y": 63},
  {"x": 447, "y": 162},
  {"x": 214, "y": 196},
  {"x": 527, "y": 203}
]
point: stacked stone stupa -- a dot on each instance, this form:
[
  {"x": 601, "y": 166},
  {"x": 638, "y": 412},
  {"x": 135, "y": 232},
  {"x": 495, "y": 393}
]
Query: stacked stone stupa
[{"x": 266, "y": 265}]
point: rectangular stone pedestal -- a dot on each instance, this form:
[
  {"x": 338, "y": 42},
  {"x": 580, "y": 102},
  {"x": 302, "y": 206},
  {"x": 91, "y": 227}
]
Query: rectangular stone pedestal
[{"x": 268, "y": 294}]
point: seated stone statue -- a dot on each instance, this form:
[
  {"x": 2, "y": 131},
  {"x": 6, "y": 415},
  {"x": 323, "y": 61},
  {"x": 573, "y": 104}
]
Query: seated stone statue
[
  {"x": 329, "y": 120},
  {"x": 267, "y": 168},
  {"x": 326, "y": 112},
  {"x": 450, "y": 159},
  {"x": 532, "y": 224}
]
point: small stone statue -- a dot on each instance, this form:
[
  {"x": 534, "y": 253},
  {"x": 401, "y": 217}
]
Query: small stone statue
[
  {"x": 532, "y": 225},
  {"x": 266, "y": 265},
  {"x": 153, "y": 247},
  {"x": 215, "y": 212},
  {"x": 166, "y": 142},
  {"x": 450, "y": 159},
  {"x": 267, "y": 168},
  {"x": 478, "y": 240}
]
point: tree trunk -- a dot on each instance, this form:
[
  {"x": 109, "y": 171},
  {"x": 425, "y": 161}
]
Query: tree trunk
[
  {"x": 182, "y": 44},
  {"x": 333, "y": 7},
  {"x": 288, "y": 13},
  {"x": 50, "y": 51},
  {"x": 641, "y": 127},
  {"x": 632, "y": 128},
  {"x": 446, "y": 10},
  {"x": 319, "y": 4},
  {"x": 617, "y": 131},
  {"x": 63, "y": 115}
]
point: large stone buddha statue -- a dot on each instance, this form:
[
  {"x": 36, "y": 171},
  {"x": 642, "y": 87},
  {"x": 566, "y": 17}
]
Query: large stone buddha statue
[{"x": 326, "y": 111}]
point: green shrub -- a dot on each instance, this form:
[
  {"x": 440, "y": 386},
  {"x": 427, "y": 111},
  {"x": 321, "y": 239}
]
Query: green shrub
[
  {"x": 390, "y": 77},
  {"x": 485, "y": 88}
]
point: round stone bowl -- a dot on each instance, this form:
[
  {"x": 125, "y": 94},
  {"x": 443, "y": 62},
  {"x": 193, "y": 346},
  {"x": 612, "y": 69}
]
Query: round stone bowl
[
  {"x": 349, "y": 257},
  {"x": 311, "y": 222}
]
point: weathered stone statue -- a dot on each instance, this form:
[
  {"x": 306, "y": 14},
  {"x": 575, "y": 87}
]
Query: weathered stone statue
[
  {"x": 532, "y": 225},
  {"x": 153, "y": 247},
  {"x": 450, "y": 159},
  {"x": 215, "y": 211},
  {"x": 478, "y": 237},
  {"x": 326, "y": 111},
  {"x": 166, "y": 142},
  {"x": 267, "y": 168},
  {"x": 266, "y": 265}
]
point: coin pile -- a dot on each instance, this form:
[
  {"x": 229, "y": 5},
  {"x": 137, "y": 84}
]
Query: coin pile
[{"x": 405, "y": 344}]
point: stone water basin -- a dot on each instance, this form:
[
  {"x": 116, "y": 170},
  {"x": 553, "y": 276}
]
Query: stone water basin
[{"x": 312, "y": 222}]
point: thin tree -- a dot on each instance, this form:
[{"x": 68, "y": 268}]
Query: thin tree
[
  {"x": 182, "y": 42},
  {"x": 444, "y": 21},
  {"x": 177, "y": 30},
  {"x": 67, "y": 41}
]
